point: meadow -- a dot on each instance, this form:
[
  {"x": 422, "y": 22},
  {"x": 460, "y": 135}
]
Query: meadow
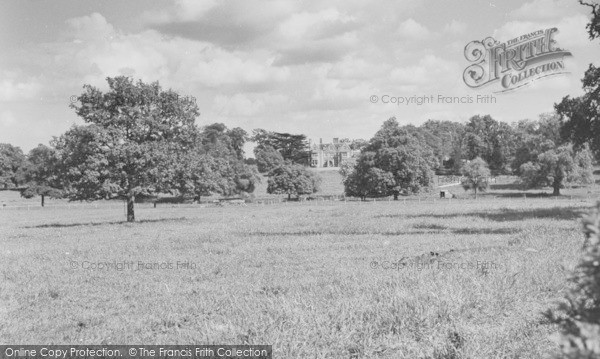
[{"x": 446, "y": 279}]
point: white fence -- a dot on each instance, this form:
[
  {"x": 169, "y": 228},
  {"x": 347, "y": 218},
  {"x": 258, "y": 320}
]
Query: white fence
[{"x": 317, "y": 201}]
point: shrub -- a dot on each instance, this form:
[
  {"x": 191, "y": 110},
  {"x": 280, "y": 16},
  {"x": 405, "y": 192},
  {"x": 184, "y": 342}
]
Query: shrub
[
  {"x": 578, "y": 317},
  {"x": 475, "y": 174}
]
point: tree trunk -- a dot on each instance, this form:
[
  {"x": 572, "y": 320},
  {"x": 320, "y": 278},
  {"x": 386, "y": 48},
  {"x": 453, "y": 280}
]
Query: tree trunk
[
  {"x": 43, "y": 197},
  {"x": 475, "y": 192},
  {"x": 556, "y": 189},
  {"x": 557, "y": 183},
  {"x": 395, "y": 196},
  {"x": 130, "y": 212},
  {"x": 289, "y": 196}
]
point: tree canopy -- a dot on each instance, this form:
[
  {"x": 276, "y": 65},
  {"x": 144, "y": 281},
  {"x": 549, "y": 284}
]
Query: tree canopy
[
  {"x": 41, "y": 176},
  {"x": 366, "y": 180},
  {"x": 476, "y": 174},
  {"x": 534, "y": 138},
  {"x": 268, "y": 158},
  {"x": 293, "y": 148},
  {"x": 593, "y": 27},
  {"x": 293, "y": 180},
  {"x": 214, "y": 164},
  {"x": 134, "y": 133},
  {"x": 398, "y": 158},
  {"x": 491, "y": 140},
  {"x": 12, "y": 166},
  {"x": 581, "y": 115},
  {"x": 578, "y": 315},
  {"x": 557, "y": 167}
]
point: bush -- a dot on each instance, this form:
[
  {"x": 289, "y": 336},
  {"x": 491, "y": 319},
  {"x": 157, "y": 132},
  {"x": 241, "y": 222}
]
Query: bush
[
  {"x": 293, "y": 179},
  {"x": 579, "y": 316},
  {"x": 476, "y": 175}
]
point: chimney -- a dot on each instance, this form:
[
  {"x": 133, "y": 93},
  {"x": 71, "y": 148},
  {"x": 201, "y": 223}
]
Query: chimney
[
  {"x": 320, "y": 141},
  {"x": 335, "y": 140}
]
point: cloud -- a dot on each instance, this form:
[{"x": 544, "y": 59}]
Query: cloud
[
  {"x": 571, "y": 30},
  {"x": 543, "y": 9},
  {"x": 410, "y": 29},
  {"x": 331, "y": 93},
  {"x": 315, "y": 37},
  {"x": 188, "y": 10},
  {"x": 7, "y": 119},
  {"x": 214, "y": 67},
  {"x": 353, "y": 67},
  {"x": 323, "y": 24},
  {"x": 237, "y": 105},
  {"x": 455, "y": 27},
  {"x": 430, "y": 71},
  {"x": 90, "y": 27},
  {"x": 180, "y": 10},
  {"x": 315, "y": 51},
  {"x": 226, "y": 23},
  {"x": 296, "y": 37},
  {"x": 13, "y": 89},
  {"x": 150, "y": 56},
  {"x": 244, "y": 105}
]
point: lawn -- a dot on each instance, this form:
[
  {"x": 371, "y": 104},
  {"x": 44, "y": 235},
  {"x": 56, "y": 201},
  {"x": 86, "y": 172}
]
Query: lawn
[{"x": 315, "y": 280}]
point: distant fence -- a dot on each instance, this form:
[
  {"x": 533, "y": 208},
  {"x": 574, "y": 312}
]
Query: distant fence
[
  {"x": 332, "y": 199},
  {"x": 449, "y": 179}
]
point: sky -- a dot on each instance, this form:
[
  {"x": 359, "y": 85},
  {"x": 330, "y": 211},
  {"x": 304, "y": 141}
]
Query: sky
[{"x": 320, "y": 68}]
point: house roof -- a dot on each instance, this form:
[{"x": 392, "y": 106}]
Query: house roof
[{"x": 340, "y": 147}]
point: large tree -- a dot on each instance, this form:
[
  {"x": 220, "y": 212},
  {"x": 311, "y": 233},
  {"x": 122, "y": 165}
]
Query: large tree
[
  {"x": 403, "y": 152},
  {"x": 214, "y": 165},
  {"x": 396, "y": 160},
  {"x": 557, "y": 167},
  {"x": 365, "y": 180},
  {"x": 476, "y": 174},
  {"x": 127, "y": 148},
  {"x": 293, "y": 148},
  {"x": 267, "y": 158},
  {"x": 578, "y": 315},
  {"x": 358, "y": 144},
  {"x": 581, "y": 115},
  {"x": 13, "y": 166},
  {"x": 41, "y": 175},
  {"x": 220, "y": 141},
  {"x": 293, "y": 180},
  {"x": 199, "y": 174},
  {"x": 593, "y": 27},
  {"x": 491, "y": 140},
  {"x": 444, "y": 138},
  {"x": 533, "y": 138}
]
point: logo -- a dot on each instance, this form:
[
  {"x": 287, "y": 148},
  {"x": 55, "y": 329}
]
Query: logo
[{"x": 515, "y": 63}]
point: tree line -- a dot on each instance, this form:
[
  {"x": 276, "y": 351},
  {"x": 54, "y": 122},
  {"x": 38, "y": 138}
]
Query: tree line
[
  {"x": 555, "y": 150},
  {"x": 403, "y": 159},
  {"x": 140, "y": 140}
]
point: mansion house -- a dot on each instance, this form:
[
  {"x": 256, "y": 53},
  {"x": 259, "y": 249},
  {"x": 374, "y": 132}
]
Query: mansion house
[{"x": 330, "y": 154}]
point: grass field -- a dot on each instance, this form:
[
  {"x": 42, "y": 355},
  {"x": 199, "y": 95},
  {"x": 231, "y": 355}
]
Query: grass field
[{"x": 315, "y": 280}]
